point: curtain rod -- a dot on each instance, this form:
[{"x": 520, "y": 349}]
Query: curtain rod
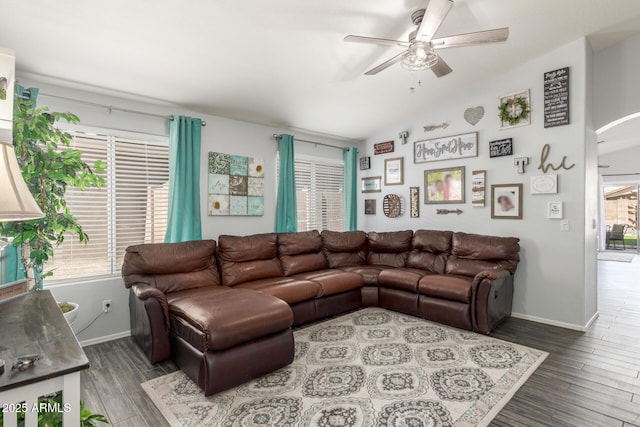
[
  {"x": 277, "y": 138},
  {"x": 108, "y": 107}
]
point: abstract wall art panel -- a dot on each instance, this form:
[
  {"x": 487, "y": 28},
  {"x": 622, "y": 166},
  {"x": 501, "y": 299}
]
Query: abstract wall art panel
[{"x": 235, "y": 186}]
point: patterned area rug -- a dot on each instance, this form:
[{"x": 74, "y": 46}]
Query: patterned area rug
[
  {"x": 616, "y": 256},
  {"x": 369, "y": 368}
]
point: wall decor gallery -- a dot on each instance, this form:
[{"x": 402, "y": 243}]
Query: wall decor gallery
[
  {"x": 501, "y": 147},
  {"x": 446, "y": 148},
  {"x": 414, "y": 202},
  {"x": 236, "y": 185},
  {"x": 514, "y": 109},
  {"x": 478, "y": 183}
]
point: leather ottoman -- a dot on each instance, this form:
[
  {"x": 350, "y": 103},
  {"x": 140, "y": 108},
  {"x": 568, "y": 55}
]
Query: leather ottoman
[{"x": 220, "y": 336}]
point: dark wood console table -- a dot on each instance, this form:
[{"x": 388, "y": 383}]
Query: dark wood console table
[{"x": 33, "y": 324}]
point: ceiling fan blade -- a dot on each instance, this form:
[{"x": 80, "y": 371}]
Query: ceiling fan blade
[
  {"x": 435, "y": 13},
  {"x": 470, "y": 39},
  {"x": 375, "y": 40},
  {"x": 441, "y": 68},
  {"x": 385, "y": 64}
]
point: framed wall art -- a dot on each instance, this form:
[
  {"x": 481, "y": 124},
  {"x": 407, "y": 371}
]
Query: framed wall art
[
  {"x": 544, "y": 184},
  {"x": 392, "y": 206},
  {"x": 394, "y": 171},
  {"x": 383, "y": 147},
  {"x": 506, "y": 201},
  {"x": 372, "y": 184},
  {"x": 444, "y": 186},
  {"x": 501, "y": 148},
  {"x": 478, "y": 182},
  {"x": 514, "y": 109},
  {"x": 365, "y": 163},
  {"x": 235, "y": 185},
  {"x": 555, "y": 210},
  {"x": 447, "y": 148},
  {"x": 370, "y": 206},
  {"x": 414, "y": 202}
]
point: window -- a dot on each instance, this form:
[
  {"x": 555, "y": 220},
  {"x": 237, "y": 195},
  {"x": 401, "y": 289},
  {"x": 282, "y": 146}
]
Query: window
[
  {"x": 131, "y": 208},
  {"x": 319, "y": 194}
]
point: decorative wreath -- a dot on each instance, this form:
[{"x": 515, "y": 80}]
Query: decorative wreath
[{"x": 506, "y": 110}]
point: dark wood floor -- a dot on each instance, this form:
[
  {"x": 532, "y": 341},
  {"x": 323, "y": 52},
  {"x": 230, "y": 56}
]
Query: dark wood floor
[{"x": 589, "y": 379}]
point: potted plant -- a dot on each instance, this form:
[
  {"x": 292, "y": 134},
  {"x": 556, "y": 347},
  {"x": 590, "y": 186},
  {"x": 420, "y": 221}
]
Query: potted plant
[{"x": 49, "y": 165}]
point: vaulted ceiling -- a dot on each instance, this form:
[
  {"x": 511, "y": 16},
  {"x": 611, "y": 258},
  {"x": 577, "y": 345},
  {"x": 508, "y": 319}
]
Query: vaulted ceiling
[{"x": 284, "y": 62}]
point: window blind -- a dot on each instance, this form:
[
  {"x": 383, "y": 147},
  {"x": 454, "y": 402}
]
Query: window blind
[
  {"x": 319, "y": 194},
  {"x": 131, "y": 208}
]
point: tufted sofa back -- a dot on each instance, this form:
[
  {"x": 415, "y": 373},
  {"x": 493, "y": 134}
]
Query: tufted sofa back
[
  {"x": 301, "y": 252},
  {"x": 389, "y": 248},
  {"x": 248, "y": 258},
  {"x": 430, "y": 250},
  {"x": 472, "y": 253},
  {"x": 345, "y": 248}
]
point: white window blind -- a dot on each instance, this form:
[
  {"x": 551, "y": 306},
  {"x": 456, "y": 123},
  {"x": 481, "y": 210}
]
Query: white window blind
[
  {"x": 319, "y": 195},
  {"x": 131, "y": 208}
]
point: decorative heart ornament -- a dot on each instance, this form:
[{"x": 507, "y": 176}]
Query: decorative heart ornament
[{"x": 474, "y": 115}]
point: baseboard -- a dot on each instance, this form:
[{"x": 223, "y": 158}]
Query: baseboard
[
  {"x": 105, "y": 338},
  {"x": 555, "y": 322}
]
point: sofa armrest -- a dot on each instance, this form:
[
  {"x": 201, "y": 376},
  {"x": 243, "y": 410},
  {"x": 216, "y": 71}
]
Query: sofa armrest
[
  {"x": 493, "y": 290},
  {"x": 150, "y": 321}
]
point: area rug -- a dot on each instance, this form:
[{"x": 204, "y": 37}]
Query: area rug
[
  {"x": 616, "y": 256},
  {"x": 369, "y": 368}
]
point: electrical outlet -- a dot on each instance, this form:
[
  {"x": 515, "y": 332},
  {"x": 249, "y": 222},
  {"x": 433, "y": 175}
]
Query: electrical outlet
[{"x": 106, "y": 306}]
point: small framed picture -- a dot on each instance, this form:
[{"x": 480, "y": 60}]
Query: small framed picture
[
  {"x": 506, "y": 201},
  {"x": 370, "y": 207},
  {"x": 544, "y": 184},
  {"x": 555, "y": 210},
  {"x": 442, "y": 186},
  {"x": 365, "y": 163},
  {"x": 394, "y": 171},
  {"x": 514, "y": 109},
  {"x": 372, "y": 184}
]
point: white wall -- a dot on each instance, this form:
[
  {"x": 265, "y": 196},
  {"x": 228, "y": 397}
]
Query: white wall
[
  {"x": 220, "y": 134},
  {"x": 617, "y": 92},
  {"x": 550, "y": 282}
]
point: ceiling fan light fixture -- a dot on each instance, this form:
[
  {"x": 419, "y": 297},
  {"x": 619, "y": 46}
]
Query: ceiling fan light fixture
[{"x": 420, "y": 56}]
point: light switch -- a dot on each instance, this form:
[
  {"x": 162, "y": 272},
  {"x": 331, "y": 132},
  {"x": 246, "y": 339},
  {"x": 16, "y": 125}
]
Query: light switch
[{"x": 564, "y": 225}]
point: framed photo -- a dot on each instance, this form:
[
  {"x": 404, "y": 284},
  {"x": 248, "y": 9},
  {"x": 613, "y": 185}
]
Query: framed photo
[
  {"x": 506, "y": 201},
  {"x": 478, "y": 181},
  {"x": 514, "y": 109},
  {"x": 394, "y": 171},
  {"x": 443, "y": 186},
  {"x": 365, "y": 163},
  {"x": 555, "y": 210},
  {"x": 372, "y": 184},
  {"x": 446, "y": 148},
  {"x": 544, "y": 184},
  {"x": 370, "y": 207}
]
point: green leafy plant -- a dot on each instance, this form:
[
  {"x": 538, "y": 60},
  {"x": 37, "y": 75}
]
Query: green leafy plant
[{"x": 49, "y": 166}]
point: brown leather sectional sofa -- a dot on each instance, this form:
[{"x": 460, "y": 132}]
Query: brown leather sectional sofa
[{"x": 223, "y": 312}]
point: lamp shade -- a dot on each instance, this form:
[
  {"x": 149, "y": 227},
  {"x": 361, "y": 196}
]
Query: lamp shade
[{"x": 16, "y": 202}]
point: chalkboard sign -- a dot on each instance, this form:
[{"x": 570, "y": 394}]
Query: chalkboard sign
[
  {"x": 556, "y": 98},
  {"x": 501, "y": 147}
]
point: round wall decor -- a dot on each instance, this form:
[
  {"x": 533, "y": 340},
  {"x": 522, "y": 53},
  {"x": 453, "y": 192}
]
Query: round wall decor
[{"x": 392, "y": 205}]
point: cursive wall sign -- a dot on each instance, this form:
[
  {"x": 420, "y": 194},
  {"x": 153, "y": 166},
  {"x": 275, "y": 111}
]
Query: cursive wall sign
[
  {"x": 450, "y": 147},
  {"x": 544, "y": 166}
]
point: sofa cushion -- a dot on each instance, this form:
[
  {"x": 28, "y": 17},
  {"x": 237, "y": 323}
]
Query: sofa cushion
[
  {"x": 248, "y": 258},
  {"x": 217, "y": 318},
  {"x": 369, "y": 273},
  {"x": 172, "y": 267},
  {"x": 472, "y": 253},
  {"x": 344, "y": 248},
  {"x": 389, "y": 248},
  {"x": 286, "y": 288},
  {"x": 430, "y": 250},
  {"x": 447, "y": 286},
  {"x": 301, "y": 252},
  {"x": 333, "y": 281},
  {"x": 405, "y": 279}
]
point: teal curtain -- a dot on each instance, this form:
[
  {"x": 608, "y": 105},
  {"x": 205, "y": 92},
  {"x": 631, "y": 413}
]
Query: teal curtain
[
  {"x": 10, "y": 257},
  {"x": 184, "y": 180},
  {"x": 351, "y": 189},
  {"x": 286, "y": 209}
]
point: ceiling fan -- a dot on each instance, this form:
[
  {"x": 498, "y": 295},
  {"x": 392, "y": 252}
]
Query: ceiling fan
[{"x": 421, "y": 48}]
